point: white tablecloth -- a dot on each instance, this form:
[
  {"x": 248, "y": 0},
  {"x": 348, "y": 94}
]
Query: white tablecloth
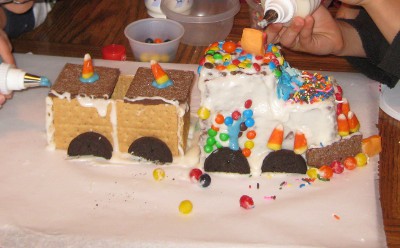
[{"x": 47, "y": 200}]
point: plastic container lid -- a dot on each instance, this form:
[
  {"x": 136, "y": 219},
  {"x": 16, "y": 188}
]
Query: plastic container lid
[
  {"x": 202, "y": 11},
  {"x": 389, "y": 101}
]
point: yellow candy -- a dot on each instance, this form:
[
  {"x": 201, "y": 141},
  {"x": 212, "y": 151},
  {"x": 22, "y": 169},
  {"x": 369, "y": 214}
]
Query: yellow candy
[
  {"x": 203, "y": 113},
  {"x": 274, "y": 49},
  {"x": 242, "y": 65},
  {"x": 185, "y": 207},
  {"x": 231, "y": 67},
  {"x": 280, "y": 60},
  {"x": 249, "y": 144},
  {"x": 226, "y": 57},
  {"x": 362, "y": 159},
  {"x": 312, "y": 173},
  {"x": 210, "y": 58},
  {"x": 158, "y": 174}
]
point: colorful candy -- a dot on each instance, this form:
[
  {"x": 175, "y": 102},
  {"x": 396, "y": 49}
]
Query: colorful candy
[
  {"x": 337, "y": 167},
  {"x": 205, "y": 180},
  {"x": 88, "y": 73},
  {"x": 161, "y": 78},
  {"x": 312, "y": 173},
  {"x": 326, "y": 172},
  {"x": 345, "y": 106},
  {"x": 300, "y": 143},
  {"x": 361, "y": 159},
  {"x": 246, "y": 202},
  {"x": 276, "y": 138},
  {"x": 203, "y": 113},
  {"x": 185, "y": 207},
  {"x": 343, "y": 125},
  {"x": 158, "y": 174},
  {"x": 354, "y": 124},
  {"x": 195, "y": 174},
  {"x": 350, "y": 163}
]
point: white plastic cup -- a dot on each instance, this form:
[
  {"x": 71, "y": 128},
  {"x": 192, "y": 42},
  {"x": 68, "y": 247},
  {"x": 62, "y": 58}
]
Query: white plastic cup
[{"x": 137, "y": 32}]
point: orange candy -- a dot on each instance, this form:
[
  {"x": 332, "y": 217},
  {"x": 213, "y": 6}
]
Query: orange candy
[
  {"x": 219, "y": 119},
  {"x": 300, "y": 143},
  {"x": 251, "y": 134},
  {"x": 350, "y": 163},
  {"x": 276, "y": 138},
  {"x": 87, "y": 70},
  {"x": 372, "y": 145},
  {"x": 345, "y": 107},
  {"x": 354, "y": 124},
  {"x": 229, "y": 46},
  {"x": 326, "y": 172},
  {"x": 246, "y": 152},
  {"x": 343, "y": 125}
]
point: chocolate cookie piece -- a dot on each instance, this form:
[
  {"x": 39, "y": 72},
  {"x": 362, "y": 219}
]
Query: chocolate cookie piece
[
  {"x": 151, "y": 149},
  {"x": 90, "y": 143},
  {"x": 347, "y": 147},
  {"x": 226, "y": 160},
  {"x": 284, "y": 161}
]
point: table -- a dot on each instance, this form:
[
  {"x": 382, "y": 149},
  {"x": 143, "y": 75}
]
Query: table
[{"x": 74, "y": 28}]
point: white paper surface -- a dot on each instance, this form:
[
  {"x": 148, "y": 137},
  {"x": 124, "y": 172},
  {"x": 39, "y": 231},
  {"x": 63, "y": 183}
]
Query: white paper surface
[{"x": 47, "y": 200}]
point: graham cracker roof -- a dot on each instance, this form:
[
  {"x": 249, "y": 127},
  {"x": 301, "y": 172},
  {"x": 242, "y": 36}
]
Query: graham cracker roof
[
  {"x": 179, "y": 91},
  {"x": 68, "y": 81}
]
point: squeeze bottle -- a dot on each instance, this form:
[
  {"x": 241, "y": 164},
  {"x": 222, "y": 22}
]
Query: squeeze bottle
[
  {"x": 15, "y": 79},
  {"x": 283, "y": 11}
]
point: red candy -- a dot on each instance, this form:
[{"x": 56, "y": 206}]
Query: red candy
[
  {"x": 248, "y": 103},
  {"x": 337, "y": 167},
  {"x": 236, "y": 115},
  {"x": 246, "y": 202},
  {"x": 257, "y": 67},
  {"x": 195, "y": 174}
]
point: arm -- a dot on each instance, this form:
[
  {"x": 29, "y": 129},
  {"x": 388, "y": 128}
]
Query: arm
[{"x": 385, "y": 14}]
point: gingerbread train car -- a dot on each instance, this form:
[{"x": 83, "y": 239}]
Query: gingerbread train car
[{"x": 96, "y": 111}]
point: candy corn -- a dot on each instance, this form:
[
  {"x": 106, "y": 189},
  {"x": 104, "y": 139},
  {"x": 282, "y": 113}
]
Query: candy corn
[
  {"x": 161, "y": 78},
  {"x": 276, "y": 138},
  {"x": 345, "y": 106},
  {"x": 343, "y": 125},
  {"x": 354, "y": 124},
  {"x": 88, "y": 74},
  {"x": 300, "y": 143}
]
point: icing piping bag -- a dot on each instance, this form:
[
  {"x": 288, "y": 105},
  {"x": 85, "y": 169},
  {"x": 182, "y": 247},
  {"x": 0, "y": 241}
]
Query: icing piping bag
[{"x": 15, "y": 79}]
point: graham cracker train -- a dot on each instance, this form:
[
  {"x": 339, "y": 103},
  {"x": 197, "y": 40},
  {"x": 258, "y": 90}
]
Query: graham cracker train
[{"x": 120, "y": 113}]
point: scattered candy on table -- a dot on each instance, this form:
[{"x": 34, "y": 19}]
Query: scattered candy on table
[
  {"x": 185, "y": 207},
  {"x": 158, "y": 174},
  {"x": 205, "y": 180},
  {"x": 246, "y": 202}
]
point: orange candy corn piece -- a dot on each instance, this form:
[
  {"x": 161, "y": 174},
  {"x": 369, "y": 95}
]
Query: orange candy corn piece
[
  {"x": 276, "y": 138},
  {"x": 87, "y": 70},
  {"x": 371, "y": 145},
  {"x": 343, "y": 125},
  {"x": 160, "y": 76},
  {"x": 300, "y": 143},
  {"x": 345, "y": 106},
  {"x": 354, "y": 124}
]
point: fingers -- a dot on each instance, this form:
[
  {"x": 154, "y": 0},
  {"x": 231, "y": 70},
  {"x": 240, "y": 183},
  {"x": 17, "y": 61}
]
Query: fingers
[
  {"x": 2, "y": 99},
  {"x": 290, "y": 37},
  {"x": 273, "y": 31}
]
